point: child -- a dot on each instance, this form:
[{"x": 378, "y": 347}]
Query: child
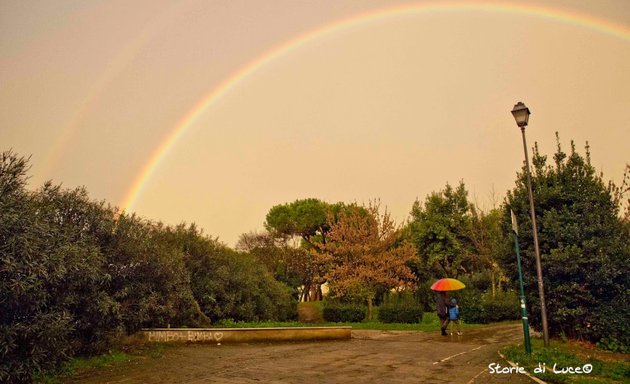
[{"x": 453, "y": 316}]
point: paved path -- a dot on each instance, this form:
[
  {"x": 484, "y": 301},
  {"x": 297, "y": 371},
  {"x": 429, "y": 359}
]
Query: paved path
[{"x": 369, "y": 357}]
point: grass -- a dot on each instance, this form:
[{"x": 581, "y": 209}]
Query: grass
[
  {"x": 613, "y": 369},
  {"x": 78, "y": 365},
  {"x": 429, "y": 323}
]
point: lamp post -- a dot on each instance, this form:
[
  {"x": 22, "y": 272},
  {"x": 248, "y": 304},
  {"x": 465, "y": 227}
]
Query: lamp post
[
  {"x": 528, "y": 345},
  {"x": 521, "y": 115}
]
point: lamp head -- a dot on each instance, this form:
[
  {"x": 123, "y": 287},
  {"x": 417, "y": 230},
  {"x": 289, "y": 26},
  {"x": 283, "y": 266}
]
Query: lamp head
[{"x": 521, "y": 114}]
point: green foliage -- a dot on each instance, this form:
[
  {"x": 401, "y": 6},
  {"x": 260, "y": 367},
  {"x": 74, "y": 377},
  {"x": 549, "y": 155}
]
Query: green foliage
[
  {"x": 612, "y": 321},
  {"x": 483, "y": 308},
  {"x": 79, "y": 364},
  {"x": 305, "y": 218},
  {"x": 288, "y": 264},
  {"x": 50, "y": 282},
  {"x": 148, "y": 277},
  {"x": 500, "y": 307},
  {"x": 76, "y": 274},
  {"x": 439, "y": 230},
  {"x": 311, "y": 312},
  {"x": 308, "y": 220},
  {"x": 612, "y": 344},
  {"x": 563, "y": 356},
  {"x": 339, "y": 312},
  {"x": 583, "y": 245},
  {"x": 401, "y": 307},
  {"x": 231, "y": 285},
  {"x": 471, "y": 309}
]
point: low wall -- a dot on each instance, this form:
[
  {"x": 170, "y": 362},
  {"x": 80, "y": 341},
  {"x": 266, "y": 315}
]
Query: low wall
[{"x": 241, "y": 335}]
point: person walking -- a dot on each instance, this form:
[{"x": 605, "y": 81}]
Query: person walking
[
  {"x": 442, "y": 310},
  {"x": 453, "y": 317}
]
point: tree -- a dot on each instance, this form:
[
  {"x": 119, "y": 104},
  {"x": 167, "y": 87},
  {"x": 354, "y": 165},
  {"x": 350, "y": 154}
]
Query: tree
[
  {"x": 76, "y": 224},
  {"x": 440, "y": 230},
  {"x": 487, "y": 239},
  {"x": 304, "y": 218},
  {"x": 619, "y": 195},
  {"x": 52, "y": 299},
  {"x": 286, "y": 262},
  {"x": 583, "y": 246},
  {"x": 149, "y": 278},
  {"x": 363, "y": 253},
  {"x": 75, "y": 274},
  {"x": 308, "y": 220},
  {"x": 229, "y": 284}
]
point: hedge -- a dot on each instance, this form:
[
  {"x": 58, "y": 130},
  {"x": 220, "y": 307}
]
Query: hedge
[
  {"x": 400, "y": 308},
  {"x": 344, "y": 312}
]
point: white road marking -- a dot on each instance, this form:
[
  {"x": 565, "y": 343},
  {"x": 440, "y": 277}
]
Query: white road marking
[{"x": 455, "y": 355}]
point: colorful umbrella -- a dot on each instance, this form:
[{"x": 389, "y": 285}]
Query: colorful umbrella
[{"x": 447, "y": 284}]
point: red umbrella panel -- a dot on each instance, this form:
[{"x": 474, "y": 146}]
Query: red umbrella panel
[{"x": 447, "y": 284}]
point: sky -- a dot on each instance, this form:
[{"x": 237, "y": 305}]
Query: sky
[{"x": 214, "y": 111}]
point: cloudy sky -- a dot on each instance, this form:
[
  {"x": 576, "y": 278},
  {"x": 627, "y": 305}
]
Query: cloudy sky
[{"x": 213, "y": 111}]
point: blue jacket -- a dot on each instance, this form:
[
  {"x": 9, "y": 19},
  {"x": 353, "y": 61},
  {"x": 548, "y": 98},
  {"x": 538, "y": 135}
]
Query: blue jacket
[{"x": 453, "y": 313}]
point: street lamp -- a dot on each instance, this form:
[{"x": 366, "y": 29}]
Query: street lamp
[{"x": 521, "y": 115}]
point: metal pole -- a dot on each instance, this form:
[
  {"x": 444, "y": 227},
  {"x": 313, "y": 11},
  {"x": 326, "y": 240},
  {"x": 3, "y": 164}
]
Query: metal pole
[
  {"x": 528, "y": 345},
  {"x": 541, "y": 288}
]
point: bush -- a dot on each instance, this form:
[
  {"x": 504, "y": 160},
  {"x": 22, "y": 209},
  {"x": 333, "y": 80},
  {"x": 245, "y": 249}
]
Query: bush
[
  {"x": 229, "y": 284},
  {"x": 483, "y": 308},
  {"x": 76, "y": 274},
  {"x": 310, "y": 312},
  {"x": 503, "y": 306},
  {"x": 400, "y": 308},
  {"x": 344, "y": 312},
  {"x": 49, "y": 271},
  {"x": 609, "y": 325},
  {"x": 471, "y": 308}
]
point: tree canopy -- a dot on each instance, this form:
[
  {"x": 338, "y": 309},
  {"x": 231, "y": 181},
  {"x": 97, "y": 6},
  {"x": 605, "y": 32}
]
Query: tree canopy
[
  {"x": 307, "y": 219},
  {"x": 440, "y": 230},
  {"x": 584, "y": 248},
  {"x": 364, "y": 252},
  {"x": 76, "y": 274}
]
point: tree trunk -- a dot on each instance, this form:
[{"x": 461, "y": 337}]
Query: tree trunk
[
  {"x": 314, "y": 296},
  {"x": 369, "y": 314},
  {"x": 306, "y": 292}
]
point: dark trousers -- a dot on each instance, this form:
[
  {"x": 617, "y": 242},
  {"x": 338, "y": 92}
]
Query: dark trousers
[{"x": 443, "y": 321}]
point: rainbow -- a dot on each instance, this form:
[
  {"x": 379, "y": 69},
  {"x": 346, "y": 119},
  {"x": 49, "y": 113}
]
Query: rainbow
[
  {"x": 171, "y": 139},
  {"x": 112, "y": 70}
]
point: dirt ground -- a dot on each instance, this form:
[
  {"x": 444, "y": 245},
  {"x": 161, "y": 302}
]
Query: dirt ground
[{"x": 369, "y": 357}]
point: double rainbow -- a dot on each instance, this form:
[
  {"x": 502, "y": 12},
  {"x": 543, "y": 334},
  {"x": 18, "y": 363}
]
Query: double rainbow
[{"x": 160, "y": 153}]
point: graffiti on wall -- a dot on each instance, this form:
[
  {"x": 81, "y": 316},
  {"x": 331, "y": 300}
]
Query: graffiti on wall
[{"x": 173, "y": 336}]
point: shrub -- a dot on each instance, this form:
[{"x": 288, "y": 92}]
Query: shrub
[
  {"x": 229, "y": 284},
  {"x": 610, "y": 319},
  {"x": 503, "y": 306},
  {"x": 49, "y": 271},
  {"x": 310, "y": 312},
  {"x": 471, "y": 308},
  {"x": 400, "y": 308},
  {"x": 483, "y": 308},
  {"x": 337, "y": 312}
]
